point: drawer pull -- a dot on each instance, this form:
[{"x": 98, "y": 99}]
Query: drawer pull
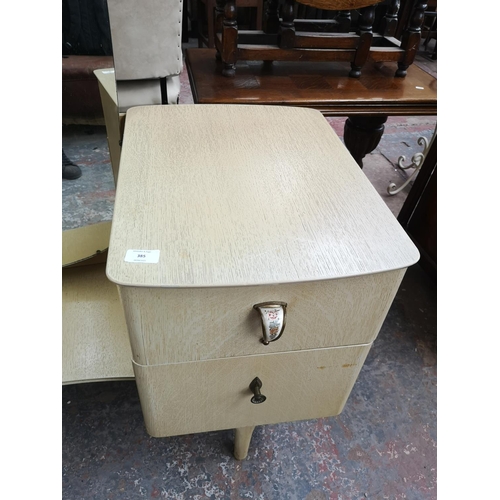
[
  {"x": 255, "y": 387},
  {"x": 273, "y": 317}
]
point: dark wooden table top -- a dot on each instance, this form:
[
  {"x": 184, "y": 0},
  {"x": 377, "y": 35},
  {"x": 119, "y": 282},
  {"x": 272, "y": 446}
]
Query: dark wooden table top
[{"x": 322, "y": 86}]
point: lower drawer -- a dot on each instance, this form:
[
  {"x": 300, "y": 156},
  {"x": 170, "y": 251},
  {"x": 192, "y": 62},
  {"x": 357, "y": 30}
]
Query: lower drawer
[{"x": 185, "y": 398}]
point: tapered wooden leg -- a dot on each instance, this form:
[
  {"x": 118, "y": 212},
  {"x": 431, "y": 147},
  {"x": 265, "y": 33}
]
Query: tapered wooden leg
[{"x": 242, "y": 438}]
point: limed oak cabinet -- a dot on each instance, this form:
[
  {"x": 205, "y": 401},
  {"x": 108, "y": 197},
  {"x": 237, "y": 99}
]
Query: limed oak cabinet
[{"x": 255, "y": 264}]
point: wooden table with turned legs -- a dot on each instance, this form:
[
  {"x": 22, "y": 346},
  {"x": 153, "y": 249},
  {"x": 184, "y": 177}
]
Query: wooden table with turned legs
[{"x": 366, "y": 101}]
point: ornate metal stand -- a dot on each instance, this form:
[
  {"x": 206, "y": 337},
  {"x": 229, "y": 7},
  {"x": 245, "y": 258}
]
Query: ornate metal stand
[{"x": 416, "y": 162}]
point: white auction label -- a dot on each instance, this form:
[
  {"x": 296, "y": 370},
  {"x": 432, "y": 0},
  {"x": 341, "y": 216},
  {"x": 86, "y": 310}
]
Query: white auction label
[{"x": 143, "y": 256}]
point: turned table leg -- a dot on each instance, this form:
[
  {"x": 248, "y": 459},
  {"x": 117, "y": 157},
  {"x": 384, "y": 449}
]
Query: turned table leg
[
  {"x": 229, "y": 38},
  {"x": 362, "y": 134},
  {"x": 242, "y": 438}
]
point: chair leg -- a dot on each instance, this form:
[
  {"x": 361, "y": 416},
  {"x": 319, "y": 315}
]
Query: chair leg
[
  {"x": 260, "y": 11},
  {"x": 229, "y": 39},
  {"x": 200, "y": 23},
  {"x": 210, "y": 22}
]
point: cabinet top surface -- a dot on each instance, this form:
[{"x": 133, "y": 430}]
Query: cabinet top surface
[{"x": 233, "y": 195}]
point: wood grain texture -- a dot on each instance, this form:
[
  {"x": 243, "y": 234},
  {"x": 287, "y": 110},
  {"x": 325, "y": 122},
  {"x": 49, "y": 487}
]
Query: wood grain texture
[
  {"x": 213, "y": 395},
  {"x": 322, "y": 86},
  {"x": 245, "y": 195},
  {"x": 383, "y": 55},
  {"x": 269, "y": 53},
  {"x": 326, "y": 41},
  {"x": 180, "y": 325},
  {"x": 95, "y": 343},
  {"x": 339, "y": 4}
]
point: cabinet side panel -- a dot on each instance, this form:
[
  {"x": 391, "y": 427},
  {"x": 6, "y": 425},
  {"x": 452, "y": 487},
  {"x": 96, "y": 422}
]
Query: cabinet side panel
[{"x": 133, "y": 319}]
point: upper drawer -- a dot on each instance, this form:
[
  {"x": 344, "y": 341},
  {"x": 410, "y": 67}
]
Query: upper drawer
[{"x": 179, "y": 325}]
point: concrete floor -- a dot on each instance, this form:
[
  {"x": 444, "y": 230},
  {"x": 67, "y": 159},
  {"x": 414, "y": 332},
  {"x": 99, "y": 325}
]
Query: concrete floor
[{"x": 383, "y": 445}]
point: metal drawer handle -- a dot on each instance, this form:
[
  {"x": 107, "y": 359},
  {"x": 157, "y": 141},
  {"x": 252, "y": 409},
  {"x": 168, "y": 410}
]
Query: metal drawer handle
[
  {"x": 273, "y": 316},
  {"x": 255, "y": 387}
]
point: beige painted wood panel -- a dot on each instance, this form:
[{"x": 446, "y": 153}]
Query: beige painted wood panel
[
  {"x": 230, "y": 206},
  {"x": 213, "y": 395},
  {"x": 178, "y": 325},
  {"x": 245, "y": 195},
  {"x": 82, "y": 243},
  {"x": 95, "y": 343},
  {"x": 115, "y": 121}
]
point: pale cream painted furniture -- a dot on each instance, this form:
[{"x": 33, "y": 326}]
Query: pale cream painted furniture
[
  {"x": 95, "y": 344},
  {"x": 113, "y": 118},
  {"x": 147, "y": 57},
  {"x": 220, "y": 208}
]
